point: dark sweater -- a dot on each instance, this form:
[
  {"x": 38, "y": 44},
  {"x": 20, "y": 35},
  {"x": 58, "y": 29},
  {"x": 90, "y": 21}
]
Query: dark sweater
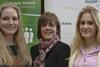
[{"x": 56, "y": 57}]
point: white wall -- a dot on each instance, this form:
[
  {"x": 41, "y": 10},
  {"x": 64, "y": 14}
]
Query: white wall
[{"x": 67, "y": 11}]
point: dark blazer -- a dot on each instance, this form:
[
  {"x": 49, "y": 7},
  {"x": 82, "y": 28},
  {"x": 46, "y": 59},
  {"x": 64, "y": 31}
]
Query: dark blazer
[{"x": 56, "y": 57}]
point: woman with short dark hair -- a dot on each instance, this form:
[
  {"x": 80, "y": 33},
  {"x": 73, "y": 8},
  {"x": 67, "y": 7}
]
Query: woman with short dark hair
[{"x": 50, "y": 52}]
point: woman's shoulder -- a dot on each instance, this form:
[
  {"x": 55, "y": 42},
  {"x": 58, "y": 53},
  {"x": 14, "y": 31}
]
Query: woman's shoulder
[
  {"x": 34, "y": 48},
  {"x": 62, "y": 44},
  {"x": 63, "y": 48}
]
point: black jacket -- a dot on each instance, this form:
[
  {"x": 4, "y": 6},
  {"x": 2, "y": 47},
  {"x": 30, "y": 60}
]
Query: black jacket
[{"x": 56, "y": 57}]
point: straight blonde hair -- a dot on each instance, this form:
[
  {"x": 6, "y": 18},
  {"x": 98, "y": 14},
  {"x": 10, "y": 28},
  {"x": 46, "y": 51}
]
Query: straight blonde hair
[
  {"x": 5, "y": 57},
  {"x": 78, "y": 40}
]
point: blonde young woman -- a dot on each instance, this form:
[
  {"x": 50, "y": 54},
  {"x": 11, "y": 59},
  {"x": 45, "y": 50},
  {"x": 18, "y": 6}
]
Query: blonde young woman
[
  {"x": 85, "y": 49},
  {"x": 13, "y": 51}
]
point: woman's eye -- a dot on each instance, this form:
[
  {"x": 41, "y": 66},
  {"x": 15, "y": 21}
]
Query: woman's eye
[
  {"x": 43, "y": 25},
  {"x": 90, "y": 22},
  {"x": 87, "y": 22},
  {"x": 14, "y": 18},
  {"x": 5, "y": 18},
  {"x": 52, "y": 24},
  {"x": 82, "y": 22}
]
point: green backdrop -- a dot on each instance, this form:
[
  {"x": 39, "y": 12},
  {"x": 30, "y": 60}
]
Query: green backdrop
[{"x": 30, "y": 12}]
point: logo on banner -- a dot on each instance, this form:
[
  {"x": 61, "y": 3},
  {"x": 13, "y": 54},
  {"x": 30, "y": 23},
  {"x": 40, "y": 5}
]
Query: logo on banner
[{"x": 94, "y": 2}]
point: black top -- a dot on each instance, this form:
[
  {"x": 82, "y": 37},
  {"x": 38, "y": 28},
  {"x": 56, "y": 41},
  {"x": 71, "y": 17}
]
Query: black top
[
  {"x": 13, "y": 49},
  {"x": 56, "y": 57}
]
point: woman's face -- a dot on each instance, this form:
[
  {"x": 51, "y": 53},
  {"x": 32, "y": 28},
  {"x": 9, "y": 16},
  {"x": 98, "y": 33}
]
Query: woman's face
[
  {"x": 87, "y": 26},
  {"x": 9, "y": 21},
  {"x": 48, "y": 30}
]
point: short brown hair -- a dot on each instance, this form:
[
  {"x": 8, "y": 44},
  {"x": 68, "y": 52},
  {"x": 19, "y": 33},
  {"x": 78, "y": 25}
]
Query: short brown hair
[{"x": 48, "y": 17}]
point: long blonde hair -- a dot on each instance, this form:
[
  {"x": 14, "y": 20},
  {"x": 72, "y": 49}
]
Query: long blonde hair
[
  {"x": 5, "y": 57},
  {"x": 78, "y": 40}
]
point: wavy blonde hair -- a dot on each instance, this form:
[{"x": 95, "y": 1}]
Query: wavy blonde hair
[
  {"x": 78, "y": 40},
  {"x": 5, "y": 57}
]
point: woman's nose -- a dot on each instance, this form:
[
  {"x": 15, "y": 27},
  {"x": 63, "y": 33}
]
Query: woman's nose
[
  {"x": 10, "y": 21},
  {"x": 47, "y": 26},
  {"x": 85, "y": 25}
]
